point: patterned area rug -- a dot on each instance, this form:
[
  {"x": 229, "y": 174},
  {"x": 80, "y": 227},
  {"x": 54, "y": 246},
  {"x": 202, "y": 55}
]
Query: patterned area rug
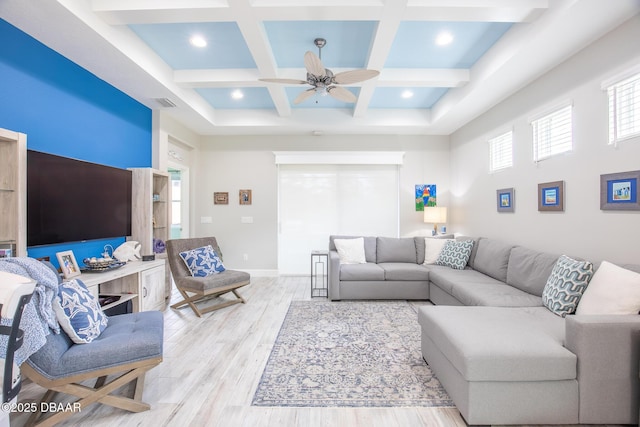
[{"x": 349, "y": 354}]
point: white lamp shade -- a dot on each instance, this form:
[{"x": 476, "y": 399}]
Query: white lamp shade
[{"x": 435, "y": 215}]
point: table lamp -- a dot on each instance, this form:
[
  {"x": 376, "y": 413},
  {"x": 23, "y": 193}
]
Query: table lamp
[{"x": 435, "y": 215}]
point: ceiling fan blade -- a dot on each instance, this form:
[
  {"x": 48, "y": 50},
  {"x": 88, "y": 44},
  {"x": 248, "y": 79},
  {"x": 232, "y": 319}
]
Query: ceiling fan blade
[
  {"x": 314, "y": 64},
  {"x": 285, "y": 81},
  {"x": 304, "y": 95},
  {"x": 341, "y": 94},
  {"x": 354, "y": 76}
]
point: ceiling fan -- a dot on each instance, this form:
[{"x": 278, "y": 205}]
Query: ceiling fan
[{"x": 323, "y": 80}]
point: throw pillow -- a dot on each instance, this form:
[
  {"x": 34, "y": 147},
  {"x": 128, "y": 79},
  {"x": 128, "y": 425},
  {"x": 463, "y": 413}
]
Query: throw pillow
[
  {"x": 455, "y": 254},
  {"x": 613, "y": 290},
  {"x": 432, "y": 249},
  {"x": 79, "y": 312},
  {"x": 350, "y": 251},
  {"x": 203, "y": 261},
  {"x": 566, "y": 284}
]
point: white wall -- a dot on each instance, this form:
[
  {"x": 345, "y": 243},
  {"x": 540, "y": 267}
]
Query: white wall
[
  {"x": 231, "y": 163},
  {"x": 583, "y": 230}
]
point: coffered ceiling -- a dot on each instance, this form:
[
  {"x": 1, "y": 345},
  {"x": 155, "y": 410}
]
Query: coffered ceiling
[{"x": 441, "y": 62}]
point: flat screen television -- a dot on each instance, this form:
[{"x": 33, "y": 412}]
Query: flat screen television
[{"x": 71, "y": 200}]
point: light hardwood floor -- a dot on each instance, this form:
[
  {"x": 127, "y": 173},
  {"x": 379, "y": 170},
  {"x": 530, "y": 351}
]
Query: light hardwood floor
[{"x": 212, "y": 366}]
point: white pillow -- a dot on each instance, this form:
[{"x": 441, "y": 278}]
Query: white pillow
[
  {"x": 612, "y": 290},
  {"x": 432, "y": 249},
  {"x": 351, "y": 251}
]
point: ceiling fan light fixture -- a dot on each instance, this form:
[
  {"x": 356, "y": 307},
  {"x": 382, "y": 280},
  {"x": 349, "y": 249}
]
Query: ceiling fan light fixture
[
  {"x": 444, "y": 38},
  {"x": 198, "y": 41}
]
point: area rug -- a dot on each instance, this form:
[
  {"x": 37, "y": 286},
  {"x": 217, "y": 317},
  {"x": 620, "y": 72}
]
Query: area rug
[{"x": 352, "y": 354}]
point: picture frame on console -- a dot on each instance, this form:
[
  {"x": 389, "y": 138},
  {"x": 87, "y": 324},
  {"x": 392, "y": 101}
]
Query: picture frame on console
[
  {"x": 68, "y": 264},
  {"x": 619, "y": 191},
  {"x": 551, "y": 196},
  {"x": 505, "y": 200}
]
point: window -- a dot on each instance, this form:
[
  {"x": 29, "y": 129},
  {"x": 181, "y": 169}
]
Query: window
[
  {"x": 552, "y": 134},
  {"x": 624, "y": 109},
  {"x": 501, "y": 152}
]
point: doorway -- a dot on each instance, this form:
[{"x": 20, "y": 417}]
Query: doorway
[{"x": 179, "y": 202}]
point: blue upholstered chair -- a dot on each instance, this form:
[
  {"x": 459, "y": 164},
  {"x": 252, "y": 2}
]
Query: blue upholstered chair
[
  {"x": 198, "y": 289},
  {"x": 130, "y": 345}
]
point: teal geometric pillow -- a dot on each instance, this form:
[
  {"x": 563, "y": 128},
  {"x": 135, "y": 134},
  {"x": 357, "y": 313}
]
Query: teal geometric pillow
[
  {"x": 79, "y": 312},
  {"x": 202, "y": 262},
  {"x": 455, "y": 254},
  {"x": 566, "y": 284}
]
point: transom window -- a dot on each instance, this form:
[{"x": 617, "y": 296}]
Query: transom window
[
  {"x": 501, "y": 152},
  {"x": 624, "y": 109},
  {"x": 553, "y": 133}
]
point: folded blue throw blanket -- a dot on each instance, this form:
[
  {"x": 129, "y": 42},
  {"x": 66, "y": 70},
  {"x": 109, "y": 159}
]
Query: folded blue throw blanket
[{"x": 38, "y": 317}]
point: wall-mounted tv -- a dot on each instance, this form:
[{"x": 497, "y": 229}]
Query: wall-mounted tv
[{"x": 71, "y": 200}]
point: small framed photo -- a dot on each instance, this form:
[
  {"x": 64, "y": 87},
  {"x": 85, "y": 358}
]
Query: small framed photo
[
  {"x": 619, "y": 191},
  {"x": 551, "y": 196},
  {"x": 505, "y": 199},
  {"x": 245, "y": 197},
  {"x": 68, "y": 264},
  {"x": 221, "y": 198}
]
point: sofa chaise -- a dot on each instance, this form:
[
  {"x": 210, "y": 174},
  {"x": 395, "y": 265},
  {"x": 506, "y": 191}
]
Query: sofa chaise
[{"x": 501, "y": 354}]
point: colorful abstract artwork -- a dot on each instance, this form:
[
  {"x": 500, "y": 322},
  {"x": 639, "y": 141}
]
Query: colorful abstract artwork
[{"x": 425, "y": 196}]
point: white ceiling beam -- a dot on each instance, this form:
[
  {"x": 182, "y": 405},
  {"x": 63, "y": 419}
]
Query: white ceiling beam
[{"x": 424, "y": 77}]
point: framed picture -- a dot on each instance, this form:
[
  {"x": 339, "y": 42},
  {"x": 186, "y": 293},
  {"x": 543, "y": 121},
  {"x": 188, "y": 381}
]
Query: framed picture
[
  {"x": 505, "y": 199},
  {"x": 68, "y": 264},
  {"x": 221, "y": 198},
  {"x": 245, "y": 197},
  {"x": 619, "y": 191},
  {"x": 425, "y": 196},
  {"x": 551, "y": 196}
]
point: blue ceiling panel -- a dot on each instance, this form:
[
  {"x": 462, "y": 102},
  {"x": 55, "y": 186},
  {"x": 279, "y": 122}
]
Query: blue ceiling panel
[
  {"x": 222, "y": 98},
  {"x": 414, "y": 45},
  {"x": 226, "y": 48},
  {"x": 391, "y": 97},
  {"x": 348, "y": 42},
  {"x": 318, "y": 101}
]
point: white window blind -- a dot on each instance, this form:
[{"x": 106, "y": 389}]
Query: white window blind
[
  {"x": 501, "y": 152},
  {"x": 552, "y": 134},
  {"x": 624, "y": 109}
]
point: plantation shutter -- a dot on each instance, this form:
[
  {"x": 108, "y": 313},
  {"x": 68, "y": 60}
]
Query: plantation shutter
[
  {"x": 501, "y": 152},
  {"x": 624, "y": 109},
  {"x": 552, "y": 134}
]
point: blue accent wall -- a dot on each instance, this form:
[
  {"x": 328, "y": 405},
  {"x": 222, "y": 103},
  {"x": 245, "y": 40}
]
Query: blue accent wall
[{"x": 67, "y": 111}]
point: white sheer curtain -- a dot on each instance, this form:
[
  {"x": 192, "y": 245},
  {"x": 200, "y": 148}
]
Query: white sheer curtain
[{"x": 317, "y": 200}]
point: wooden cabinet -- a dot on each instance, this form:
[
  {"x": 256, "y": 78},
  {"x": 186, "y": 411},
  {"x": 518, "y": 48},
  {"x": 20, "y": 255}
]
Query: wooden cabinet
[
  {"x": 152, "y": 282},
  {"x": 151, "y": 213},
  {"x": 13, "y": 192},
  {"x": 141, "y": 282}
]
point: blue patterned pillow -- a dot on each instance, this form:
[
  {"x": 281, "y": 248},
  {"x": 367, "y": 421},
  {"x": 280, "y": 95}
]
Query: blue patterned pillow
[
  {"x": 455, "y": 254},
  {"x": 566, "y": 284},
  {"x": 202, "y": 262},
  {"x": 79, "y": 312}
]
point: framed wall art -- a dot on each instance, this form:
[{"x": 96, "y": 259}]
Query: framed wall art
[
  {"x": 425, "y": 196},
  {"x": 68, "y": 264},
  {"x": 221, "y": 198},
  {"x": 505, "y": 199},
  {"x": 551, "y": 196},
  {"x": 619, "y": 191},
  {"x": 245, "y": 197}
]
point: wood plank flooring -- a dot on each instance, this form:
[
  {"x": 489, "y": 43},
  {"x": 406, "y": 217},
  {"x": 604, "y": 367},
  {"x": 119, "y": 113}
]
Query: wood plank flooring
[{"x": 212, "y": 366}]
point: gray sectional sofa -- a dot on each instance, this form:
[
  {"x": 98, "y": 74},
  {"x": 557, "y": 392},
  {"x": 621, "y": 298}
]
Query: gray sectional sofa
[{"x": 503, "y": 357}]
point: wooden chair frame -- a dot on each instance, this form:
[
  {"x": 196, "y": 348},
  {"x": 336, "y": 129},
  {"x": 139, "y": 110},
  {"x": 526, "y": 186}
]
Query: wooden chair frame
[
  {"x": 101, "y": 392},
  {"x": 198, "y": 297}
]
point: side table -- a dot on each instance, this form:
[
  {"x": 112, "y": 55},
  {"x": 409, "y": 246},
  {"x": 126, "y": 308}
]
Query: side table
[{"x": 320, "y": 274}]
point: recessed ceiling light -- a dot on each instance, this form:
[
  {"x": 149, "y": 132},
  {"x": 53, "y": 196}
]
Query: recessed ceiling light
[
  {"x": 237, "y": 94},
  {"x": 444, "y": 38},
  {"x": 198, "y": 41},
  {"x": 407, "y": 94}
]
